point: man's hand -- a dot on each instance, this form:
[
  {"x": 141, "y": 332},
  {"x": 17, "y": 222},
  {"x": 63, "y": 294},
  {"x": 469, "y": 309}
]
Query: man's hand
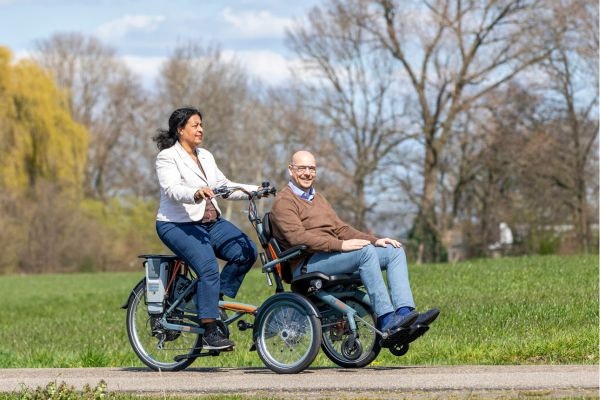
[
  {"x": 383, "y": 242},
  {"x": 354, "y": 244}
]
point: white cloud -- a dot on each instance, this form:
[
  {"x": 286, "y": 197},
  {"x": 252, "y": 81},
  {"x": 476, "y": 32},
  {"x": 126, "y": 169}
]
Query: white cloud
[
  {"x": 257, "y": 24},
  {"x": 145, "y": 67},
  {"x": 120, "y": 27},
  {"x": 271, "y": 67}
]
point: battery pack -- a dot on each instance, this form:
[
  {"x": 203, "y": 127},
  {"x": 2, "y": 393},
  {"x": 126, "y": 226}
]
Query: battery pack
[{"x": 157, "y": 273}]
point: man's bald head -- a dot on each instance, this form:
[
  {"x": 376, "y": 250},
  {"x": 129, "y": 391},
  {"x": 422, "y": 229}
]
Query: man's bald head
[{"x": 303, "y": 157}]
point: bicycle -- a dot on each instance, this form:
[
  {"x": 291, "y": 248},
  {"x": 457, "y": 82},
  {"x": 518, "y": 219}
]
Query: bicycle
[
  {"x": 327, "y": 311},
  {"x": 165, "y": 331}
]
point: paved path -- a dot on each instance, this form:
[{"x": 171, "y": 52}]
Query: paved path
[{"x": 448, "y": 381}]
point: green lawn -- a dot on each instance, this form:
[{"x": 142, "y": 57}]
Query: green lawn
[{"x": 530, "y": 310}]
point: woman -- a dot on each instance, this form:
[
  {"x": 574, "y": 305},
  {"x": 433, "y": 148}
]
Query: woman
[{"x": 189, "y": 220}]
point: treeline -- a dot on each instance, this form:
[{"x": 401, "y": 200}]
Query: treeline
[{"x": 432, "y": 122}]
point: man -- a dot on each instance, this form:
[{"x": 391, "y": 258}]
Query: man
[{"x": 301, "y": 215}]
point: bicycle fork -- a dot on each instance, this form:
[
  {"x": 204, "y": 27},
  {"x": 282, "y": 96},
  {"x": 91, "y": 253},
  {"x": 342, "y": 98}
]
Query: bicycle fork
[{"x": 346, "y": 310}]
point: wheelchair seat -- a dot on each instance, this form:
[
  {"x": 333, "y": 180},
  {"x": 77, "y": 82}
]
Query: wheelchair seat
[{"x": 305, "y": 283}]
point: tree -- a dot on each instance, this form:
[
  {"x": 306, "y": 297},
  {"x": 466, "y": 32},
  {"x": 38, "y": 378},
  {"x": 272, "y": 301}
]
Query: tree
[
  {"x": 109, "y": 100},
  {"x": 452, "y": 54},
  {"x": 357, "y": 108},
  {"x": 572, "y": 73},
  {"x": 42, "y": 147},
  {"x": 40, "y": 140}
]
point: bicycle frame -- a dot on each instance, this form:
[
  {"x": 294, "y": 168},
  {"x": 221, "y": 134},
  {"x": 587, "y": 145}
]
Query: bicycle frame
[{"x": 239, "y": 309}]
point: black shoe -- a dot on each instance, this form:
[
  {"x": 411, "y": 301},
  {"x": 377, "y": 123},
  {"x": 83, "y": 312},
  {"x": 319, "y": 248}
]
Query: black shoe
[
  {"x": 427, "y": 317},
  {"x": 398, "y": 322},
  {"x": 214, "y": 339}
]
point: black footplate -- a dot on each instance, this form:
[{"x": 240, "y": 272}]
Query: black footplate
[{"x": 404, "y": 336}]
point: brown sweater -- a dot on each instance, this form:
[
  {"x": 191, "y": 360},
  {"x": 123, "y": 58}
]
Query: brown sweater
[{"x": 297, "y": 221}]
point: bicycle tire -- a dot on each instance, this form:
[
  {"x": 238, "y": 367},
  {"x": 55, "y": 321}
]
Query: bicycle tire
[
  {"x": 335, "y": 331},
  {"x": 144, "y": 342},
  {"x": 289, "y": 336}
]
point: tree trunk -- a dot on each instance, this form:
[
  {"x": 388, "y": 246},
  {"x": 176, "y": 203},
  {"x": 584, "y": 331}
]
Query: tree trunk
[{"x": 425, "y": 229}]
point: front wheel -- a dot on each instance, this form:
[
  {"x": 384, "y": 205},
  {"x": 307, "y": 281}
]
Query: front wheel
[
  {"x": 156, "y": 346},
  {"x": 337, "y": 344},
  {"x": 288, "y": 337}
]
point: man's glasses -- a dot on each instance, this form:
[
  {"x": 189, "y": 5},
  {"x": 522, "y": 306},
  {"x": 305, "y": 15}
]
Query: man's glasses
[{"x": 305, "y": 168}]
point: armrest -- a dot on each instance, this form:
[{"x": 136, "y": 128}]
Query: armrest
[
  {"x": 289, "y": 254},
  {"x": 293, "y": 250}
]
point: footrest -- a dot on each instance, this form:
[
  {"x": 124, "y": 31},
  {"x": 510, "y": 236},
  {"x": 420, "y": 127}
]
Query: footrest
[
  {"x": 397, "y": 338},
  {"x": 416, "y": 333},
  {"x": 405, "y": 336}
]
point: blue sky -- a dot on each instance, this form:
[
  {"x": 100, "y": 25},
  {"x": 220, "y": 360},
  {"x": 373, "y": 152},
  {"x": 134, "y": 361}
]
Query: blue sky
[{"x": 144, "y": 32}]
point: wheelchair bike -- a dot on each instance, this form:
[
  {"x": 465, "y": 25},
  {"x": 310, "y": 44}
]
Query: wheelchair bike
[{"x": 321, "y": 311}]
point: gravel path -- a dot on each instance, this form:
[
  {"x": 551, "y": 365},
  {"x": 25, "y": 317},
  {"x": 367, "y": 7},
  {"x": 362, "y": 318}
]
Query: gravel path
[{"x": 316, "y": 383}]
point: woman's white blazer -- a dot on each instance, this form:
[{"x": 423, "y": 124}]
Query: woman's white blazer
[{"x": 180, "y": 177}]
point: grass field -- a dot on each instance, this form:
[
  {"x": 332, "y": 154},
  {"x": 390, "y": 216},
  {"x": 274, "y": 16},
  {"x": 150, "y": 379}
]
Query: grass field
[{"x": 531, "y": 310}]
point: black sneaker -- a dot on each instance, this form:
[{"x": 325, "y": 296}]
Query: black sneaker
[
  {"x": 396, "y": 322},
  {"x": 427, "y": 317},
  {"x": 214, "y": 339}
]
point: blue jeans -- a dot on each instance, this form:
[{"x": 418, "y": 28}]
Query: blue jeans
[
  {"x": 369, "y": 262},
  {"x": 200, "y": 245}
]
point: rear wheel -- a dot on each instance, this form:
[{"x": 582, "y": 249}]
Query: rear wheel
[
  {"x": 338, "y": 345},
  {"x": 156, "y": 346},
  {"x": 288, "y": 336}
]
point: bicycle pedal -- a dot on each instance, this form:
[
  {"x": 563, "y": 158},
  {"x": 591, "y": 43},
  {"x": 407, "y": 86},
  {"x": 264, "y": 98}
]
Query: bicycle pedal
[{"x": 243, "y": 325}]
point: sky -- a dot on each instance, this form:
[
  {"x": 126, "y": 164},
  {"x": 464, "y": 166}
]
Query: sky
[{"x": 145, "y": 32}]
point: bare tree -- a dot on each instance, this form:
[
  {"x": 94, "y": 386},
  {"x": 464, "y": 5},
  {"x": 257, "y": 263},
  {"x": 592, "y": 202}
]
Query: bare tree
[
  {"x": 573, "y": 81},
  {"x": 499, "y": 179},
  {"x": 350, "y": 88},
  {"x": 109, "y": 101},
  {"x": 81, "y": 65},
  {"x": 452, "y": 53}
]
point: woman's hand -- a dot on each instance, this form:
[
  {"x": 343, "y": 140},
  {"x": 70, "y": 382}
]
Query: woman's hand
[
  {"x": 204, "y": 193},
  {"x": 383, "y": 242}
]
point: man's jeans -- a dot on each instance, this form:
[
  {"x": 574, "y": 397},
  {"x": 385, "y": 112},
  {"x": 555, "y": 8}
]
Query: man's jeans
[
  {"x": 369, "y": 262},
  {"x": 200, "y": 245}
]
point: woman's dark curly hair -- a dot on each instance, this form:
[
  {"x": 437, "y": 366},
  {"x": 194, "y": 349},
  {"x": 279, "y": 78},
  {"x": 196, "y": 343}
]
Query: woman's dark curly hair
[{"x": 167, "y": 137}]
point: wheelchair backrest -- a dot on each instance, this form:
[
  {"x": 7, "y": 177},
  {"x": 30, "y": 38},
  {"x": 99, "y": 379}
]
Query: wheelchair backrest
[{"x": 273, "y": 250}]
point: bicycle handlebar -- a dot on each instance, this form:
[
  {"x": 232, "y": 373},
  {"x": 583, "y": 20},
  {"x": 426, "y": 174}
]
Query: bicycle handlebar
[{"x": 225, "y": 191}]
